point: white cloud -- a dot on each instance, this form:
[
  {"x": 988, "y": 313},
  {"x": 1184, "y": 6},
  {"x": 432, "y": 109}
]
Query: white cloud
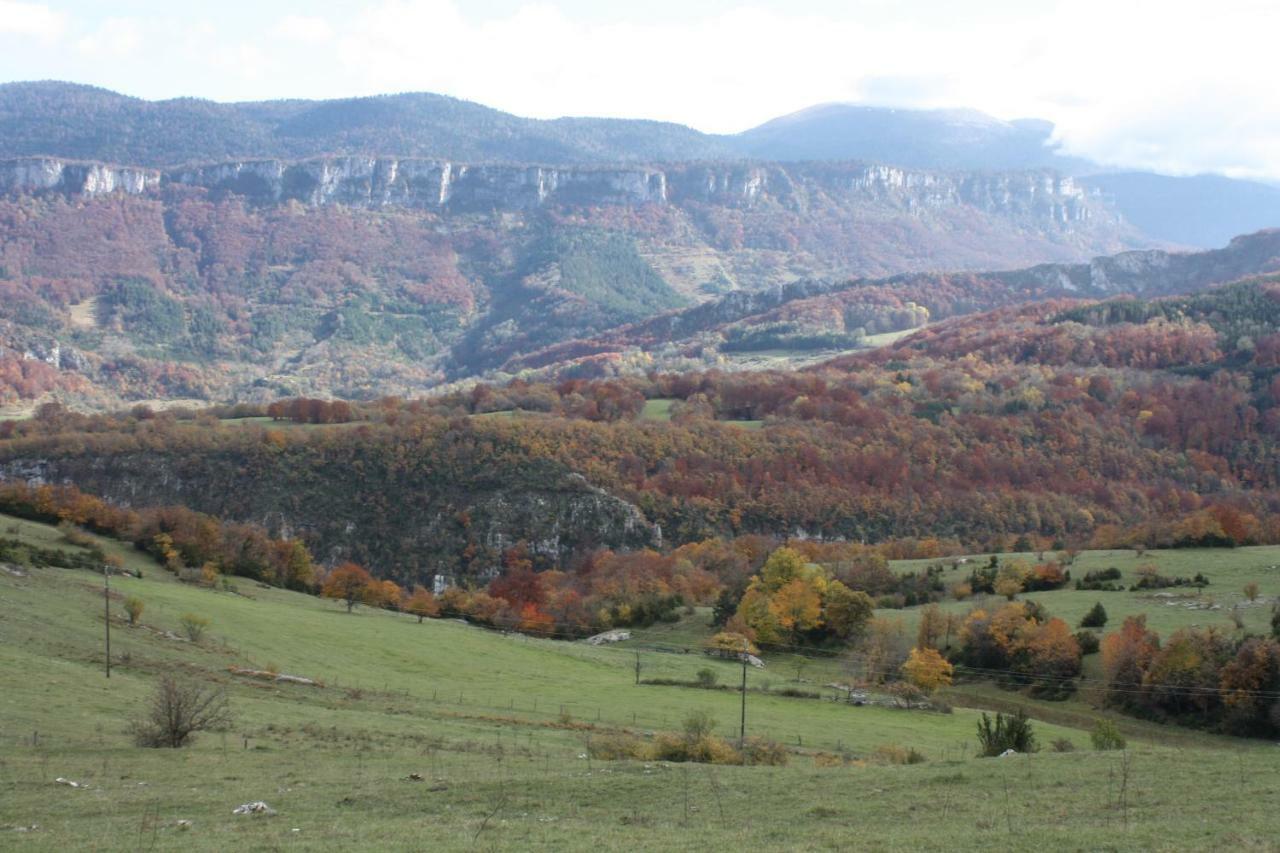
[
  {"x": 31, "y": 19},
  {"x": 114, "y": 37},
  {"x": 305, "y": 29}
]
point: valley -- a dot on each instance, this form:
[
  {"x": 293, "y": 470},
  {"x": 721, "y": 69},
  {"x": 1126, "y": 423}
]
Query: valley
[{"x": 395, "y": 471}]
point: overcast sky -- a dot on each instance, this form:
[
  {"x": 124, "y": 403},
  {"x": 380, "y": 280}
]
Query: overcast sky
[{"x": 1174, "y": 86}]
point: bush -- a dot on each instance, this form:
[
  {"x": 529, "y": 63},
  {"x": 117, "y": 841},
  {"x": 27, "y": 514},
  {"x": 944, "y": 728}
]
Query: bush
[
  {"x": 1006, "y": 733},
  {"x": 617, "y": 747},
  {"x": 1103, "y": 580},
  {"x": 133, "y": 607},
  {"x": 760, "y": 751},
  {"x": 698, "y": 724},
  {"x": 1063, "y": 744},
  {"x": 193, "y": 626},
  {"x": 1106, "y": 736},
  {"x": 178, "y": 710},
  {"x": 700, "y": 747},
  {"x": 1095, "y": 618},
  {"x": 1088, "y": 641},
  {"x": 706, "y": 677},
  {"x": 894, "y": 754}
]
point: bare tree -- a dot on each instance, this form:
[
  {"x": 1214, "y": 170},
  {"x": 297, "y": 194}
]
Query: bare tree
[{"x": 178, "y": 710}]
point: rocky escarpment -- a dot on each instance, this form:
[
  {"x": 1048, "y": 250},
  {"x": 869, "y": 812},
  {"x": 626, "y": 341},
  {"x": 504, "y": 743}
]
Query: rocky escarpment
[
  {"x": 47, "y": 174},
  {"x": 1155, "y": 273},
  {"x": 1045, "y": 198},
  {"x": 348, "y": 504}
]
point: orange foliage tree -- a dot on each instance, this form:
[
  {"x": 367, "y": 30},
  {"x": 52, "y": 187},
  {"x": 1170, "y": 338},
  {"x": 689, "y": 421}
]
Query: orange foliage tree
[{"x": 348, "y": 582}]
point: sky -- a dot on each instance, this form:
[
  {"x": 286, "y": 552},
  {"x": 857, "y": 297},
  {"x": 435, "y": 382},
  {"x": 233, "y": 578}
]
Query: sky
[{"x": 1174, "y": 86}]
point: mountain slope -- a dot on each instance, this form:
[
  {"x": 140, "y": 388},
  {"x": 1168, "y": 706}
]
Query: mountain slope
[
  {"x": 83, "y": 122},
  {"x": 362, "y": 276},
  {"x": 923, "y": 139},
  {"x": 824, "y": 315},
  {"x": 1202, "y": 210}
]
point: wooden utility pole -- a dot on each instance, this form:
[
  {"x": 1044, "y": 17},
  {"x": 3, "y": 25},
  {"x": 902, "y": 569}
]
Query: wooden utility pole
[
  {"x": 106, "y": 607},
  {"x": 637, "y": 666},
  {"x": 742, "y": 726}
]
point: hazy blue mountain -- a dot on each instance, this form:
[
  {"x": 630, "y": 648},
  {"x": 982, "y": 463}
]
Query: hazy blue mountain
[
  {"x": 1204, "y": 210},
  {"x": 929, "y": 139}
]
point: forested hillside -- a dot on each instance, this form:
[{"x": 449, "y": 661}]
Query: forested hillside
[
  {"x": 182, "y": 291},
  {"x": 68, "y": 120},
  {"x": 1113, "y": 422},
  {"x": 824, "y": 315}
]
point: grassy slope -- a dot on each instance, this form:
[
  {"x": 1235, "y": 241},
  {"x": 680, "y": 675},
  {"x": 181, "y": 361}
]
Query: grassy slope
[
  {"x": 1228, "y": 570},
  {"x": 457, "y": 705}
]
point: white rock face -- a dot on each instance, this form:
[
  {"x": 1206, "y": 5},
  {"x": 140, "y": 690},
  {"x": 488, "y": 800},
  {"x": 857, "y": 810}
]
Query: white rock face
[
  {"x": 46, "y": 174},
  {"x": 1043, "y": 198}
]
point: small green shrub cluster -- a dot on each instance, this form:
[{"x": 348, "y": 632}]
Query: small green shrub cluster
[
  {"x": 1005, "y": 733},
  {"x": 1106, "y": 736},
  {"x": 1095, "y": 618},
  {"x": 1103, "y": 580},
  {"x": 1088, "y": 641}
]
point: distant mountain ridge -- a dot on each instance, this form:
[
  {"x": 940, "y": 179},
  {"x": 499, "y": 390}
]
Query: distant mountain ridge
[
  {"x": 70, "y": 121},
  {"x": 83, "y": 122},
  {"x": 932, "y": 139}
]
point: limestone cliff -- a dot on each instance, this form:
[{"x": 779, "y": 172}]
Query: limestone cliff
[{"x": 1044, "y": 198}]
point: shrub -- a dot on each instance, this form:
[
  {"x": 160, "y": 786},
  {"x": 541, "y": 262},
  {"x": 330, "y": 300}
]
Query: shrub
[
  {"x": 698, "y": 724},
  {"x": 795, "y": 693},
  {"x": 193, "y": 626},
  {"x": 1251, "y": 591},
  {"x": 1005, "y": 733},
  {"x": 706, "y": 677},
  {"x": 764, "y": 752},
  {"x": 1063, "y": 744},
  {"x": 905, "y": 694},
  {"x": 696, "y": 744},
  {"x": 894, "y": 754},
  {"x": 1106, "y": 736},
  {"x": 178, "y": 710},
  {"x": 1088, "y": 641},
  {"x": 133, "y": 607},
  {"x": 617, "y": 747},
  {"x": 1095, "y": 618}
]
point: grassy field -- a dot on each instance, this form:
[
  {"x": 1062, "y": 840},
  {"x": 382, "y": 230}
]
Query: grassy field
[
  {"x": 660, "y": 410},
  {"x": 656, "y": 410},
  {"x": 498, "y": 728},
  {"x": 1228, "y": 570}
]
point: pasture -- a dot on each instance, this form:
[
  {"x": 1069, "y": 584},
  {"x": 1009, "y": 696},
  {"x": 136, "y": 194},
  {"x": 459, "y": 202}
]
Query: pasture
[{"x": 496, "y": 729}]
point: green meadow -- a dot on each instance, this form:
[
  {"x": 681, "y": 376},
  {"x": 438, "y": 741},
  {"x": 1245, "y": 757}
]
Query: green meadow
[{"x": 443, "y": 735}]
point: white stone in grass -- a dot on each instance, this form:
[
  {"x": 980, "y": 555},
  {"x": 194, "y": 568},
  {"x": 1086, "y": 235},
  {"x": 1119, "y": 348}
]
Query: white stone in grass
[{"x": 254, "y": 808}]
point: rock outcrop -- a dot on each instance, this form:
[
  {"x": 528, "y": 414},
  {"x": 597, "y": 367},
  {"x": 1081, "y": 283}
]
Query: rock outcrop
[
  {"x": 47, "y": 174},
  {"x": 1044, "y": 197}
]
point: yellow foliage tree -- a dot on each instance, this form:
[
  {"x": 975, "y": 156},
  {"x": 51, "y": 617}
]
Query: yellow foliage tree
[
  {"x": 783, "y": 566},
  {"x": 797, "y": 606},
  {"x": 927, "y": 669},
  {"x": 728, "y": 644}
]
